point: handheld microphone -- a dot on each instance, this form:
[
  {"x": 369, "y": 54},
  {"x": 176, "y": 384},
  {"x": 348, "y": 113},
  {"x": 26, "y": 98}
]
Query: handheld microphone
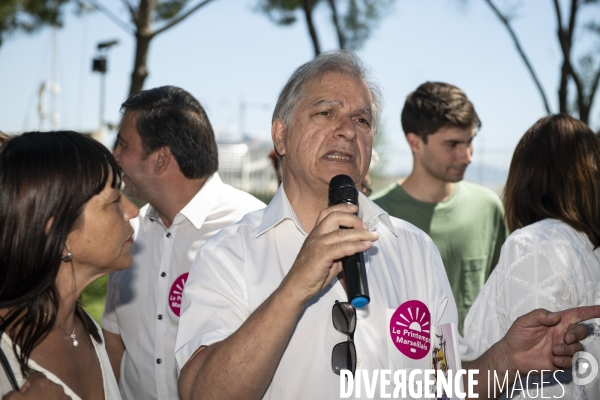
[{"x": 342, "y": 190}]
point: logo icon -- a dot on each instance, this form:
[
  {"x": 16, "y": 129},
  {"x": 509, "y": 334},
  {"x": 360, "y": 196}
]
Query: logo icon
[
  {"x": 410, "y": 329},
  {"x": 585, "y": 368},
  {"x": 176, "y": 294}
]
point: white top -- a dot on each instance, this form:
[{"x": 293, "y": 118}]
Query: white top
[
  {"x": 111, "y": 389},
  {"x": 142, "y": 302},
  {"x": 544, "y": 265},
  {"x": 242, "y": 265}
]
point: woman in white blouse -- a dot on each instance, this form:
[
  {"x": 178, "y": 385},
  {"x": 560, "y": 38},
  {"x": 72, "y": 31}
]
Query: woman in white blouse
[
  {"x": 551, "y": 260},
  {"x": 63, "y": 224}
]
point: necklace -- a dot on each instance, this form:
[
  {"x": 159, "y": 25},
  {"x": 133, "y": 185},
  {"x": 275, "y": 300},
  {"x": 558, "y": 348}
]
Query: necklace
[{"x": 71, "y": 334}]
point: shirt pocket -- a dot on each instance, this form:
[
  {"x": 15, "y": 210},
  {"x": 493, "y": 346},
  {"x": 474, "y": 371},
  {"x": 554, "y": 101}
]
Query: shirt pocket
[{"x": 472, "y": 278}]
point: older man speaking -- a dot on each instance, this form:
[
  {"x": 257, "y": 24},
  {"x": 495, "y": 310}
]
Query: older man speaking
[{"x": 264, "y": 312}]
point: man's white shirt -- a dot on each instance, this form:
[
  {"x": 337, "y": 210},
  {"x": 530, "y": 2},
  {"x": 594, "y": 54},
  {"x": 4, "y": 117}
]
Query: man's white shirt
[
  {"x": 242, "y": 265},
  {"x": 143, "y": 302}
]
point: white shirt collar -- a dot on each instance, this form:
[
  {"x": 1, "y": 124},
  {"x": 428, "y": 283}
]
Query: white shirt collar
[
  {"x": 280, "y": 209},
  {"x": 199, "y": 206}
]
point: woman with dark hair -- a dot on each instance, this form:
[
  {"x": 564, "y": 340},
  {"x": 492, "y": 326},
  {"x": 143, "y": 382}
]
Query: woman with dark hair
[
  {"x": 551, "y": 260},
  {"x": 63, "y": 224}
]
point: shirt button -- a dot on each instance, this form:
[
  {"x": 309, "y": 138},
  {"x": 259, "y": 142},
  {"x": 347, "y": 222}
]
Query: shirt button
[
  {"x": 158, "y": 360},
  {"x": 168, "y": 234},
  {"x": 359, "y": 361},
  {"x": 163, "y": 274},
  {"x": 159, "y": 316}
]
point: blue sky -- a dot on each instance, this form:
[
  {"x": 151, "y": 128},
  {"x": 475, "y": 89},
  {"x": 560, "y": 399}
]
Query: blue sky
[{"x": 227, "y": 53}]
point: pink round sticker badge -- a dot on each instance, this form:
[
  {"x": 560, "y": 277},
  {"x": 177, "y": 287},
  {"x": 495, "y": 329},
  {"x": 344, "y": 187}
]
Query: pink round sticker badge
[
  {"x": 410, "y": 327},
  {"x": 176, "y": 293}
]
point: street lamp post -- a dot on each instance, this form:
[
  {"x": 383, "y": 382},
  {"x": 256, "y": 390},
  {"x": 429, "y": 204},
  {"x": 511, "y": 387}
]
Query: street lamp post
[{"x": 100, "y": 64}]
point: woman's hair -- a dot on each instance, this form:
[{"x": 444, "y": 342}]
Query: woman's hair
[
  {"x": 554, "y": 173},
  {"x": 46, "y": 178}
]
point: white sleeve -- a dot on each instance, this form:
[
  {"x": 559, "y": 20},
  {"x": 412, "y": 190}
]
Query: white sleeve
[
  {"x": 109, "y": 316},
  {"x": 533, "y": 272},
  {"x": 214, "y": 304}
]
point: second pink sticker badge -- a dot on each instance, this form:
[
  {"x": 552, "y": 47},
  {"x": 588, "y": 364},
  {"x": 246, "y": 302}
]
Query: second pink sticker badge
[{"x": 176, "y": 294}]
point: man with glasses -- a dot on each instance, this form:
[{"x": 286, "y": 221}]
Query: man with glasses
[{"x": 264, "y": 313}]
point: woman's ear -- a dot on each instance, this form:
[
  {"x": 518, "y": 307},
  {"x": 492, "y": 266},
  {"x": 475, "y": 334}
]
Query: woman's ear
[{"x": 66, "y": 254}]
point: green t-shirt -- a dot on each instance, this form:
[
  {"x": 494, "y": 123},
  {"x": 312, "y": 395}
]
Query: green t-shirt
[{"x": 468, "y": 230}]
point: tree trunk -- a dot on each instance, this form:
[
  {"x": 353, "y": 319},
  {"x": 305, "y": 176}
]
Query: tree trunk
[
  {"x": 336, "y": 23},
  {"x": 140, "y": 70},
  {"x": 584, "y": 113},
  {"x": 143, "y": 35},
  {"x": 591, "y": 94},
  {"x": 565, "y": 39},
  {"x": 307, "y": 5},
  {"x": 565, "y": 72}
]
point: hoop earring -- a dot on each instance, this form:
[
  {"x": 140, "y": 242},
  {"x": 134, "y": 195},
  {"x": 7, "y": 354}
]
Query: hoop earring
[{"x": 68, "y": 257}]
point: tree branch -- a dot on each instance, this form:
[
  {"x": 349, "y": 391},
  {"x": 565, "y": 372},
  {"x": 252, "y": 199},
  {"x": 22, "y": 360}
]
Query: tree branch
[
  {"x": 132, "y": 11},
  {"x": 112, "y": 16},
  {"x": 336, "y": 23},
  {"x": 558, "y": 14},
  {"x": 579, "y": 85},
  {"x": 524, "y": 57},
  {"x": 561, "y": 31},
  {"x": 180, "y": 18},
  {"x": 572, "y": 18},
  {"x": 307, "y": 6},
  {"x": 565, "y": 38},
  {"x": 594, "y": 87},
  {"x": 565, "y": 70}
]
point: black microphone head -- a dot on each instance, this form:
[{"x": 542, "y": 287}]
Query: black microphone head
[{"x": 342, "y": 190}]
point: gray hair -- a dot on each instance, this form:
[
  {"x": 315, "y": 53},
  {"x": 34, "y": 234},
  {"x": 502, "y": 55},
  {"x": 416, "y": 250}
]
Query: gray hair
[{"x": 339, "y": 61}]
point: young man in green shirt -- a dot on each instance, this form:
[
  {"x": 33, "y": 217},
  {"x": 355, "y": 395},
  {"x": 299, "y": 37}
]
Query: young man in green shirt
[{"x": 465, "y": 220}]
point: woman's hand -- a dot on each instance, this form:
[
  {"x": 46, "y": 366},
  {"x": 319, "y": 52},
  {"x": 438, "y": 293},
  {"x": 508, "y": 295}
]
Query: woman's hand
[{"x": 38, "y": 387}]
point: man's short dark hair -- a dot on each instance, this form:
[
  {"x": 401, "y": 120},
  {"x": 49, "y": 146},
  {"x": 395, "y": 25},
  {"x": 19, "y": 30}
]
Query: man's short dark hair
[
  {"x": 436, "y": 105},
  {"x": 169, "y": 116}
]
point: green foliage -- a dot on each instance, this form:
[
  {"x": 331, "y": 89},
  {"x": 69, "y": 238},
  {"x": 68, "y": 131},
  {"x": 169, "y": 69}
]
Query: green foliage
[
  {"x": 29, "y": 15},
  {"x": 356, "y": 21},
  {"x": 166, "y": 10},
  {"x": 360, "y": 19},
  {"x": 282, "y": 12}
]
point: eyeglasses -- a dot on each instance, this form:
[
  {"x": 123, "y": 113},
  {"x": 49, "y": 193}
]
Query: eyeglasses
[{"x": 343, "y": 355}]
